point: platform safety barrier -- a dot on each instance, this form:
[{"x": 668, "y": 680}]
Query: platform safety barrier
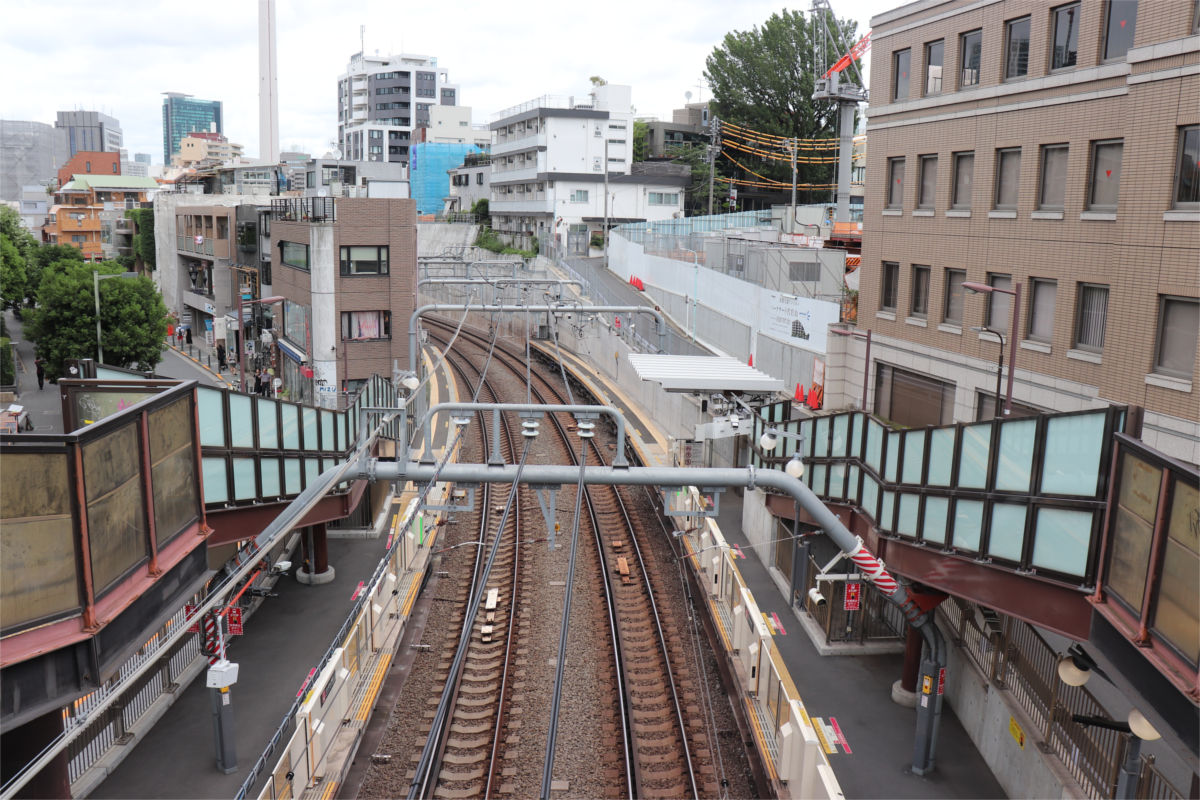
[{"x": 784, "y": 735}]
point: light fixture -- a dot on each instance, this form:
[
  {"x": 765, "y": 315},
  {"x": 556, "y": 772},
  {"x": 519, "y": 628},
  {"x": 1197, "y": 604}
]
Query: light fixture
[
  {"x": 461, "y": 420},
  {"x": 795, "y": 467},
  {"x": 1071, "y": 674},
  {"x": 768, "y": 441},
  {"x": 1141, "y": 726},
  {"x": 410, "y": 382}
]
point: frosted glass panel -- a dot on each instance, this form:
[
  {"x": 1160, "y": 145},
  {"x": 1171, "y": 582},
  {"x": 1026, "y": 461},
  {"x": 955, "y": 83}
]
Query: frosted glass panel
[
  {"x": 818, "y": 479},
  {"x": 310, "y": 428},
  {"x": 805, "y": 431},
  {"x": 1016, "y": 455},
  {"x": 327, "y": 431},
  {"x": 976, "y": 442},
  {"x": 914, "y": 456},
  {"x": 907, "y": 523},
  {"x": 968, "y": 521},
  {"x": 268, "y": 426},
  {"x": 1062, "y": 540},
  {"x": 857, "y": 435},
  {"x": 1008, "y": 531},
  {"x": 291, "y": 426},
  {"x": 837, "y": 480},
  {"x": 874, "y": 445},
  {"x": 291, "y": 476},
  {"x": 269, "y": 474},
  {"x": 870, "y": 494},
  {"x": 852, "y": 486},
  {"x": 241, "y": 424},
  {"x": 941, "y": 456},
  {"x": 215, "y": 490},
  {"x": 892, "y": 475},
  {"x": 211, "y": 409},
  {"x": 312, "y": 468},
  {"x": 244, "y": 485},
  {"x": 885, "y": 513},
  {"x": 934, "y": 527},
  {"x": 1071, "y": 462},
  {"x": 841, "y": 425},
  {"x": 821, "y": 437}
]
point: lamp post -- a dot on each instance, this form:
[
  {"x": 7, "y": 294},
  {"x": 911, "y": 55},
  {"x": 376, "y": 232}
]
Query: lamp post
[
  {"x": 1000, "y": 367},
  {"x": 96, "y": 278},
  {"x": 242, "y": 332},
  {"x": 866, "y": 359},
  {"x": 695, "y": 287},
  {"x": 1015, "y": 293}
]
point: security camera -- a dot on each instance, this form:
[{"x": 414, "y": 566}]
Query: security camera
[
  {"x": 816, "y": 597},
  {"x": 281, "y": 567}
]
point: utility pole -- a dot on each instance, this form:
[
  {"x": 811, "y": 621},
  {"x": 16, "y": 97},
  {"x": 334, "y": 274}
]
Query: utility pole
[
  {"x": 606, "y": 201},
  {"x": 792, "y": 144},
  {"x": 712, "y": 160}
]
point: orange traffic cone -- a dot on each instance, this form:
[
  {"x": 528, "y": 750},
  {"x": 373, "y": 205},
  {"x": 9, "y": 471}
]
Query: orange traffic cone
[{"x": 799, "y": 393}]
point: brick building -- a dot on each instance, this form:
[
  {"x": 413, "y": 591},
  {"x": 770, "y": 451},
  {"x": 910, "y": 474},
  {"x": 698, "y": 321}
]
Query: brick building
[
  {"x": 347, "y": 270},
  {"x": 1049, "y": 149},
  {"x": 89, "y": 211}
]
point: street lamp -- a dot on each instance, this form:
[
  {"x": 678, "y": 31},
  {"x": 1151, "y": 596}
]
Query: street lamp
[
  {"x": 866, "y": 360},
  {"x": 695, "y": 287},
  {"x": 242, "y": 332},
  {"x": 96, "y": 278},
  {"x": 1015, "y": 292},
  {"x": 1000, "y": 368}
]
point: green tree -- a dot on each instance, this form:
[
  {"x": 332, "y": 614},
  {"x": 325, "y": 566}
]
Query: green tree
[
  {"x": 598, "y": 81},
  {"x": 16, "y": 246},
  {"x": 763, "y": 79},
  {"x": 133, "y": 317},
  {"x": 143, "y": 241},
  {"x": 696, "y": 197},
  {"x": 480, "y": 209},
  {"x": 42, "y": 257},
  {"x": 641, "y": 144}
]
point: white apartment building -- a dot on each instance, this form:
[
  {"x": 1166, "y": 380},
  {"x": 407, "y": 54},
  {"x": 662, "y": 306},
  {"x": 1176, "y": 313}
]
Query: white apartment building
[
  {"x": 383, "y": 99},
  {"x": 549, "y": 160},
  {"x": 452, "y": 124}
]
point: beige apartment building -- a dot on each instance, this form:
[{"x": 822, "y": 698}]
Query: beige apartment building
[{"x": 1051, "y": 150}]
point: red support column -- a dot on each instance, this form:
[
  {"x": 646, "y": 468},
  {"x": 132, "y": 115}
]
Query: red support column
[
  {"x": 315, "y": 567},
  {"x": 23, "y": 744}
]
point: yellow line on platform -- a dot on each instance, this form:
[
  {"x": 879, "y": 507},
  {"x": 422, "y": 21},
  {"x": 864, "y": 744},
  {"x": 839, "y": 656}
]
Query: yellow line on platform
[
  {"x": 373, "y": 689},
  {"x": 328, "y": 791},
  {"x": 820, "y": 731}
]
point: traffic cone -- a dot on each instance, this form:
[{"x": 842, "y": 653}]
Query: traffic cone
[
  {"x": 799, "y": 393},
  {"x": 752, "y": 359}
]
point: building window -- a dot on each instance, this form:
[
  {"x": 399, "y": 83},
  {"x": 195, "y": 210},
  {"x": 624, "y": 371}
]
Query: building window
[
  {"x": 928, "y": 187},
  {"x": 888, "y": 288},
  {"x": 933, "y": 66},
  {"x": 1091, "y": 312},
  {"x": 1066, "y": 36},
  {"x": 920, "y": 291},
  {"x": 1178, "y": 323},
  {"x": 895, "y": 193},
  {"x": 999, "y": 307},
  {"x": 972, "y": 48},
  {"x": 1187, "y": 169},
  {"x": 294, "y": 255},
  {"x": 369, "y": 260},
  {"x": 579, "y": 196},
  {"x": 1016, "y": 48},
  {"x": 1008, "y": 177},
  {"x": 78, "y": 237},
  {"x": 1105, "y": 175},
  {"x": 964, "y": 175},
  {"x": 1053, "y": 187},
  {"x": 1119, "y": 23},
  {"x": 360, "y": 326},
  {"x": 663, "y": 198},
  {"x": 953, "y": 308},
  {"x": 912, "y": 399},
  {"x": 1041, "y": 309},
  {"x": 900, "y": 67}
]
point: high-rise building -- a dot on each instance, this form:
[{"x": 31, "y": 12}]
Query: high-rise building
[
  {"x": 182, "y": 114},
  {"x": 382, "y": 99},
  {"x": 88, "y": 131},
  {"x": 28, "y": 154},
  {"x": 142, "y": 158}
]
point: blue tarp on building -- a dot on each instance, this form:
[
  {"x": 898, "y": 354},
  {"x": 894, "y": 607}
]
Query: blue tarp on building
[{"x": 428, "y": 162}]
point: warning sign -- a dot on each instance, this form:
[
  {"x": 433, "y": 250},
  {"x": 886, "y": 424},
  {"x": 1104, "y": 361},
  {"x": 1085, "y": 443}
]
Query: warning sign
[
  {"x": 234, "y": 618},
  {"x": 190, "y": 610},
  {"x": 851, "y": 599},
  {"x": 1015, "y": 730},
  {"x": 942, "y": 680},
  {"x": 927, "y": 684}
]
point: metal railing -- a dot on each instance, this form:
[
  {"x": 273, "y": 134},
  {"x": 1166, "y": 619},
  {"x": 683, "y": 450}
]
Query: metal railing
[
  {"x": 877, "y": 619},
  {"x": 304, "y": 209}
]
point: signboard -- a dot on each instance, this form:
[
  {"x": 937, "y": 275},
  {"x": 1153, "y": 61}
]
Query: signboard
[
  {"x": 1015, "y": 731},
  {"x": 199, "y": 239},
  {"x": 942, "y": 680},
  {"x": 617, "y": 323},
  {"x": 850, "y": 601},
  {"x": 234, "y": 619},
  {"x": 800, "y": 321}
]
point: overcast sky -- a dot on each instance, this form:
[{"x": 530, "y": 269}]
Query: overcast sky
[{"x": 118, "y": 57}]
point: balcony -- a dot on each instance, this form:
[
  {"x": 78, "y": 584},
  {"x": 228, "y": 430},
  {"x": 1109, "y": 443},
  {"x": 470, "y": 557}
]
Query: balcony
[
  {"x": 304, "y": 209},
  {"x": 518, "y": 141},
  {"x": 187, "y": 244}
]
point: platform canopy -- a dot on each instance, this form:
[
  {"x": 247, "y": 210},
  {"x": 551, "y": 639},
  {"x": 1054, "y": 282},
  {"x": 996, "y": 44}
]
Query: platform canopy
[{"x": 702, "y": 374}]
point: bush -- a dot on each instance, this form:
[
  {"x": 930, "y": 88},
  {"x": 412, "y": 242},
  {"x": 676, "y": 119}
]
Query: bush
[
  {"x": 488, "y": 239},
  {"x": 8, "y": 370}
]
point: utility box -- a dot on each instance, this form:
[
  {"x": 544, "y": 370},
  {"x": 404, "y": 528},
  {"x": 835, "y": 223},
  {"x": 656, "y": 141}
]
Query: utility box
[{"x": 221, "y": 674}]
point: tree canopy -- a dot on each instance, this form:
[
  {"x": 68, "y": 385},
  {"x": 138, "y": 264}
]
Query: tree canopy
[
  {"x": 17, "y": 246},
  {"x": 133, "y": 317}
]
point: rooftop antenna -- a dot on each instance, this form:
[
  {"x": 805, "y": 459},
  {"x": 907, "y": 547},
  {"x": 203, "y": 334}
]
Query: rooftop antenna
[{"x": 362, "y": 34}]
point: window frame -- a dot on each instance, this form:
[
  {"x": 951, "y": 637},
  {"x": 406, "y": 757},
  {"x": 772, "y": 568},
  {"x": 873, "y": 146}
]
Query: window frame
[
  {"x": 1180, "y": 154},
  {"x": 950, "y": 293},
  {"x": 1031, "y": 332},
  {"x": 895, "y": 195},
  {"x": 1093, "y": 178},
  {"x": 1159, "y": 341},
  {"x": 997, "y": 204},
  {"x": 995, "y": 317},
  {"x": 1044, "y": 151},
  {"x": 889, "y": 283},
  {"x": 926, "y": 202},
  {"x": 1077, "y": 341},
  {"x": 385, "y": 326},
  {"x": 919, "y": 296},
  {"x": 963, "y": 40},
  {"x": 345, "y": 260},
  {"x": 955, "y": 199},
  {"x": 941, "y": 77},
  {"x": 1009, "y": 25},
  {"x": 1106, "y": 41},
  {"x": 283, "y": 255},
  {"x": 1056, "y": 19},
  {"x": 897, "y": 55}
]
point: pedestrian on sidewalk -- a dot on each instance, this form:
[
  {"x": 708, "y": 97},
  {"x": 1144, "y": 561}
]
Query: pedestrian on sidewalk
[
  {"x": 220, "y": 356},
  {"x": 187, "y": 332},
  {"x": 258, "y": 383},
  {"x": 40, "y": 367}
]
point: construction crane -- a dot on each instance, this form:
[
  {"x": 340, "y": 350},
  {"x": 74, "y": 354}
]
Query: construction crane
[{"x": 841, "y": 88}]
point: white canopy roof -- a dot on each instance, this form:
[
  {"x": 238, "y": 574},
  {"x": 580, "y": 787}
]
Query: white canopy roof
[{"x": 702, "y": 374}]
